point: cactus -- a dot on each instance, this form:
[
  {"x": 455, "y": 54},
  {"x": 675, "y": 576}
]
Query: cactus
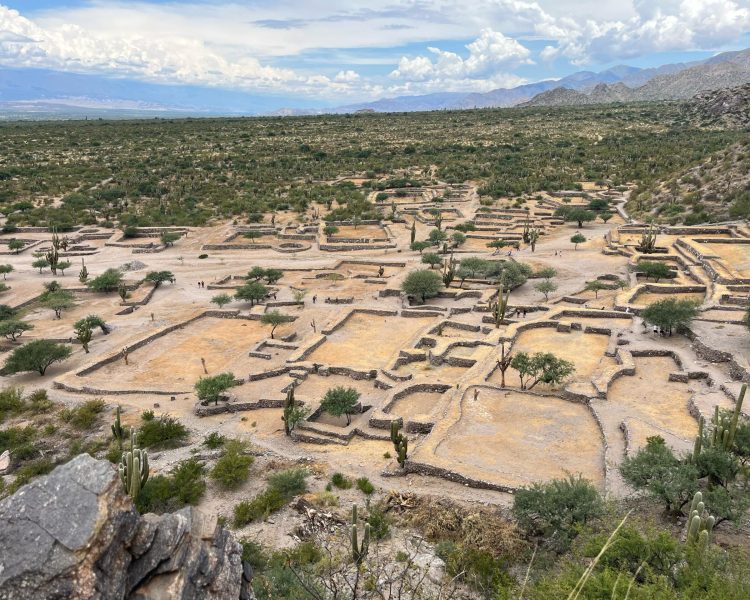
[
  {"x": 647, "y": 244},
  {"x": 359, "y": 551},
  {"x": 413, "y": 231},
  {"x": 117, "y": 429},
  {"x": 698, "y": 439},
  {"x": 83, "y": 274},
  {"x": 526, "y": 235},
  {"x": 400, "y": 443},
  {"x": 53, "y": 256},
  {"x": 449, "y": 272},
  {"x": 699, "y": 524},
  {"x": 724, "y": 426},
  {"x": 134, "y": 468},
  {"x": 533, "y": 238},
  {"x": 288, "y": 407}
]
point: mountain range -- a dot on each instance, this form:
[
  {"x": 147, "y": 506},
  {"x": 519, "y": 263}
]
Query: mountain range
[{"x": 37, "y": 93}]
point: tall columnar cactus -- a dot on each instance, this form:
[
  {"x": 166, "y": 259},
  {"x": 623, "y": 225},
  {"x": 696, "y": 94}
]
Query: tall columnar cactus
[
  {"x": 700, "y": 524},
  {"x": 118, "y": 431},
  {"x": 288, "y": 408},
  {"x": 449, "y": 272},
  {"x": 53, "y": 256},
  {"x": 359, "y": 551},
  {"x": 400, "y": 443},
  {"x": 724, "y": 426},
  {"x": 134, "y": 468},
  {"x": 526, "y": 235},
  {"x": 699, "y": 438}
]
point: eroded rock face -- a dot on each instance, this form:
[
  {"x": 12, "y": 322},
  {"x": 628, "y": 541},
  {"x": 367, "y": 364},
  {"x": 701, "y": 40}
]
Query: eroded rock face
[{"x": 76, "y": 534}]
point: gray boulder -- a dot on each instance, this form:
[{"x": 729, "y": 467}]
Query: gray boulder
[{"x": 75, "y": 534}]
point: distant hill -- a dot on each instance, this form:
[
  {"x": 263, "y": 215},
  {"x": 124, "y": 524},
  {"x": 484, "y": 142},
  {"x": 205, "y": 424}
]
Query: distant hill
[{"x": 726, "y": 70}]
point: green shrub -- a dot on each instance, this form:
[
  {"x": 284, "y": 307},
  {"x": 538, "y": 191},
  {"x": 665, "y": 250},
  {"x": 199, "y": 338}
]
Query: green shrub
[
  {"x": 214, "y": 440},
  {"x": 38, "y": 402},
  {"x": 14, "y": 438},
  {"x": 167, "y": 493},
  {"x": 290, "y": 482},
  {"x": 164, "y": 432},
  {"x": 11, "y": 402},
  {"x": 341, "y": 481},
  {"x": 259, "y": 507},
  {"x": 233, "y": 468},
  {"x": 557, "y": 509},
  {"x": 28, "y": 471},
  {"x": 202, "y": 256},
  {"x": 477, "y": 568},
  {"x": 380, "y": 526},
  {"x": 83, "y": 416},
  {"x": 364, "y": 485}
]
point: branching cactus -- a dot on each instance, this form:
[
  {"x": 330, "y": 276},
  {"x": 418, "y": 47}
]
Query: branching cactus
[
  {"x": 134, "y": 468},
  {"x": 400, "y": 443},
  {"x": 359, "y": 551},
  {"x": 83, "y": 275},
  {"x": 699, "y": 524},
  {"x": 724, "y": 426},
  {"x": 648, "y": 241}
]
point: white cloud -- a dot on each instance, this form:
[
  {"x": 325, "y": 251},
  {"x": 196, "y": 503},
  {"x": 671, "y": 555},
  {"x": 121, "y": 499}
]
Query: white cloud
[
  {"x": 347, "y": 76},
  {"x": 485, "y": 68}
]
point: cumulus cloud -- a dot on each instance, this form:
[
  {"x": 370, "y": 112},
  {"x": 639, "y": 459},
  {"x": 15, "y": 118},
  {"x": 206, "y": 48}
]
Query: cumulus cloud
[{"x": 489, "y": 55}]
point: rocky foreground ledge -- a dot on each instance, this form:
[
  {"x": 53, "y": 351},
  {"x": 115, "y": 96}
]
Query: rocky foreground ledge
[{"x": 75, "y": 534}]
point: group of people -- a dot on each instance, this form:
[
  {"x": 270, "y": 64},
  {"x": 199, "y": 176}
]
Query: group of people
[{"x": 201, "y": 284}]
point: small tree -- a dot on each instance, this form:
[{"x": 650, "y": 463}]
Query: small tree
[
  {"x": 159, "y": 277},
  {"x": 670, "y": 313},
  {"x": 340, "y": 401},
  {"x": 419, "y": 246},
  {"x": 274, "y": 319},
  {"x": 12, "y": 329},
  {"x": 84, "y": 334},
  {"x": 436, "y": 236},
  {"x": 497, "y": 244},
  {"x": 210, "y": 389},
  {"x": 256, "y": 273},
  {"x": 432, "y": 259},
  {"x": 458, "y": 239},
  {"x": 109, "y": 281},
  {"x": 422, "y": 284},
  {"x": 596, "y": 286},
  {"x": 251, "y": 292},
  {"x": 541, "y": 367},
  {"x": 655, "y": 270},
  {"x": 545, "y": 287},
  {"x": 299, "y": 296},
  {"x": 168, "y": 238},
  {"x": 59, "y": 301},
  {"x": 330, "y": 230},
  {"x": 577, "y": 239},
  {"x": 40, "y": 263},
  {"x": 575, "y": 214},
  {"x": 547, "y": 272},
  {"x": 273, "y": 275},
  {"x": 35, "y": 356},
  {"x": 62, "y": 265},
  {"x": 92, "y": 321},
  {"x": 16, "y": 245},
  {"x": 294, "y": 413},
  {"x": 5, "y": 269},
  {"x": 221, "y": 300}
]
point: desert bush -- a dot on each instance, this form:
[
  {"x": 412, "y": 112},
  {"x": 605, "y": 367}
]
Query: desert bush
[
  {"x": 167, "y": 493},
  {"x": 83, "y": 416},
  {"x": 164, "y": 432},
  {"x": 233, "y": 467}
]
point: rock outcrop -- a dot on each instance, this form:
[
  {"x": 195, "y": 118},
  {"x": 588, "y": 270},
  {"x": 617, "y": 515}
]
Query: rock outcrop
[{"x": 75, "y": 534}]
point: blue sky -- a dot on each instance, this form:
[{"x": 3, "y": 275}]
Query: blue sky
[{"x": 341, "y": 51}]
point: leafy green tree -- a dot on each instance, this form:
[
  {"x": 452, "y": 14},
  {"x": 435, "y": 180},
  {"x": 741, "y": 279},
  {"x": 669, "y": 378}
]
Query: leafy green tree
[
  {"x": 40, "y": 263},
  {"x": 251, "y": 292},
  {"x": 432, "y": 259},
  {"x": 514, "y": 274},
  {"x": 92, "y": 321},
  {"x": 575, "y": 215},
  {"x": 210, "y": 389},
  {"x": 596, "y": 286},
  {"x": 6, "y": 312},
  {"x": 420, "y": 246},
  {"x": 545, "y": 287},
  {"x": 84, "y": 333},
  {"x": 458, "y": 238},
  {"x": 546, "y": 272},
  {"x": 436, "y": 236},
  {"x": 655, "y": 270},
  {"x": 656, "y": 469},
  {"x": 256, "y": 273},
  {"x": 58, "y": 301},
  {"x": 340, "y": 401},
  {"x": 159, "y": 277},
  {"x": 577, "y": 239},
  {"x": 273, "y": 275},
  {"x": 541, "y": 367},
  {"x": 63, "y": 265},
  {"x": 275, "y": 318},
  {"x": 474, "y": 265},
  {"x": 330, "y": 230},
  {"x": 498, "y": 244},
  {"x": 422, "y": 284},
  {"x": 221, "y": 299},
  {"x": 670, "y": 313},
  {"x": 16, "y": 245},
  {"x": 109, "y": 281},
  {"x": 4, "y": 288},
  {"x": 555, "y": 511},
  {"x": 5, "y": 269},
  {"x": 35, "y": 356},
  {"x": 12, "y": 329}
]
